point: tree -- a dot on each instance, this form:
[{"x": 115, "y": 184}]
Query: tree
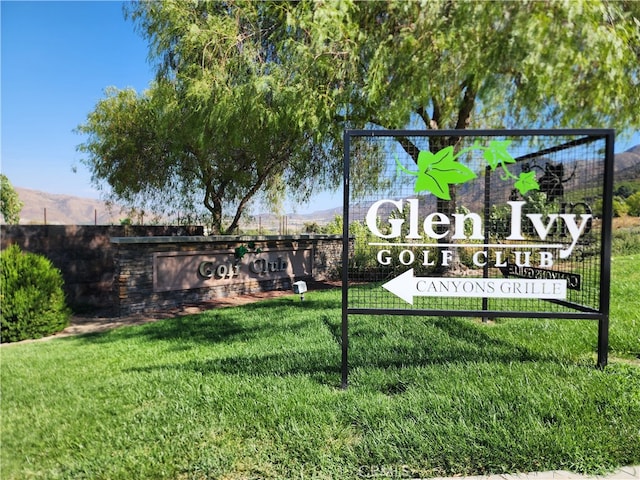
[
  {"x": 224, "y": 121},
  {"x": 457, "y": 65},
  {"x": 620, "y": 207},
  {"x": 10, "y": 204},
  {"x": 252, "y": 96},
  {"x": 311, "y": 227}
]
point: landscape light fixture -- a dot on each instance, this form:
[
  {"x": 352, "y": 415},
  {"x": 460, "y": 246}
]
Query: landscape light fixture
[{"x": 299, "y": 288}]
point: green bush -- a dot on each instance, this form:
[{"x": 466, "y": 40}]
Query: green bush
[
  {"x": 620, "y": 207},
  {"x": 633, "y": 201},
  {"x": 31, "y": 296}
]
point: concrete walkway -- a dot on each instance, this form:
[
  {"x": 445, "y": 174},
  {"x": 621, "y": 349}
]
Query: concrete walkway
[{"x": 625, "y": 473}]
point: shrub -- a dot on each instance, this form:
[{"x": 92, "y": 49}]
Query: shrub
[
  {"x": 31, "y": 296},
  {"x": 620, "y": 207},
  {"x": 633, "y": 202}
]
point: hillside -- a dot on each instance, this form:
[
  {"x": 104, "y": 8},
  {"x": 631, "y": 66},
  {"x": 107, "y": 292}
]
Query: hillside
[
  {"x": 626, "y": 170},
  {"x": 70, "y": 210},
  {"x": 64, "y": 209},
  {"x": 627, "y": 165}
]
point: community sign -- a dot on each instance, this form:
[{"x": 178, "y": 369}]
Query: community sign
[{"x": 509, "y": 223}]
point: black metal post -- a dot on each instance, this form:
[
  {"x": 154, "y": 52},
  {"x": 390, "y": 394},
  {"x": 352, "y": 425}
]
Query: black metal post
[
  {"x": 345, "y": 263},
  {"x": 605, "y": 257}
]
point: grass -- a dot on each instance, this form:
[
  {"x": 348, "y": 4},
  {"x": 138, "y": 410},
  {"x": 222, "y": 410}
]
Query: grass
[{"x": 253, "y": 392}]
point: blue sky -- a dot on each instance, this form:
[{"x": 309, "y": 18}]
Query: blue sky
[{"x": 57, "y": 60}]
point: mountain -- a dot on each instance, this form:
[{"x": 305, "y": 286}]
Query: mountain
[
  {"x": 626, "y": 169},
  {"x": 627, "y": 165},
  {"x": 70, "y": 210},
  {"x": 56, "y": 209}
]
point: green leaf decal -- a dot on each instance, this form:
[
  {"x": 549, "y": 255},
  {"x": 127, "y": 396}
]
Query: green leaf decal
[
  {"x": 430, "y": 183},
  {"x": 496, "y": 154},
  {"x": 437, "y": 171},
  {"x": 527, "y": 181}
]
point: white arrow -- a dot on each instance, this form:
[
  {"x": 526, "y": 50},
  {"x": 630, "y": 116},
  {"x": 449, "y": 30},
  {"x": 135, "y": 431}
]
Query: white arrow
[{"x": 406, "y": 286}]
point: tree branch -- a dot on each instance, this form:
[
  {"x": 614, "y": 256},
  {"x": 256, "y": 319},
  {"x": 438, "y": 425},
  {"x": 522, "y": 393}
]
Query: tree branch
[
  {"x": 408, "y": 146},
  {"x": 282, "y": 158},
  {"x": 422, "y": 113},
  {"x": 468, "y": 102},
  {"x": 434, "y": 123}
]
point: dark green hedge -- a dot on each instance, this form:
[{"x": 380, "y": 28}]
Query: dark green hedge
[{"x": 32, "y": 301}]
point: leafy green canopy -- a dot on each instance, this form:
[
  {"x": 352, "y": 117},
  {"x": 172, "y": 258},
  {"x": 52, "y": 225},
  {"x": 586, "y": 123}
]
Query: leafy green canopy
[
  {"x": 10, "y": 204},
  {"x": 485, "y": 64},
  {"x": 224, "y": 121},
  {"x": 251, "y": 97}
]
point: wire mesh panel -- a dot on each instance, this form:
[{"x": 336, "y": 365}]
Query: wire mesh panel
[{"x": 478, "y": 223}]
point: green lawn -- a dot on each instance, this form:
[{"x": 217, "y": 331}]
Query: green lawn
[{"x": 253, "y": 392}]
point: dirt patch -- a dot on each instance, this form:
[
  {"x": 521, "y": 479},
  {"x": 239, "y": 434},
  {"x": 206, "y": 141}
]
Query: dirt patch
[{"x": 625, "y": 222}]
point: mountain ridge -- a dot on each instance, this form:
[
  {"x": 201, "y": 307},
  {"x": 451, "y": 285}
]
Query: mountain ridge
[{"x": 62, "y": 209}]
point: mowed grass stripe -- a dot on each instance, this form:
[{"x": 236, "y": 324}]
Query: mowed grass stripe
[{"x": 253, "y": 392}]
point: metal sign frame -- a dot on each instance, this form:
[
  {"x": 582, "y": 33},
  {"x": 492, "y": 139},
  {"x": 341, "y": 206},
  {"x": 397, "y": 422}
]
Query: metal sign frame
[{"x": 571, "y": 310}]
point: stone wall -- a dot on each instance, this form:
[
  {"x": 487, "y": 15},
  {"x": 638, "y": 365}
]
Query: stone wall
[
  {"x": 111, "y": 268},
  {"x": 84, "y": 254},
  {"x": 165, "y": 272}
]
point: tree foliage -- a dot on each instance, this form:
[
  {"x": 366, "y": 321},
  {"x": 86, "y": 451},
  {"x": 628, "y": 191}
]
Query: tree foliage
[
  {"x": 251, "y": 97},
  {"x": 455, "y": 65},
  {"x": 10, "y": 204},
  {"x": 633, "y": 201},
  {"x": 452, "y": 65},
  {"x": 224, "y": 121}
]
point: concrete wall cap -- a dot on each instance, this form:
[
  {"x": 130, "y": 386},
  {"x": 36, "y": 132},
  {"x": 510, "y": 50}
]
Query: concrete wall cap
[{"x": 221, "y": 238}]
